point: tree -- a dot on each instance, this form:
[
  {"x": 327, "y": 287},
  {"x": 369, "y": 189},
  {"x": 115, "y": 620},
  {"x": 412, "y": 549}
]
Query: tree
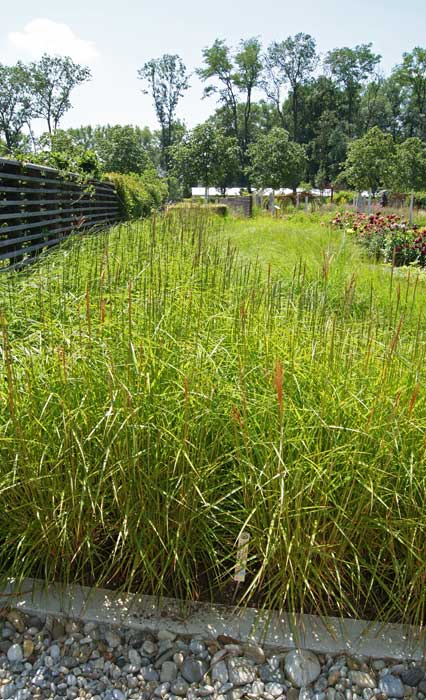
[
  {"x": 291, "y": 62},
  {"x": 410, "y": 171},
  {"x": 16, "y": 106},
  {"x": 275, "y": 161},
  {"x": 52, "y": 80},
  {"x": 167, "y": 81},
  {"x": 350, "y": 68},
  {"x": 206, "y": 156},
  {"x": 234, "y": 75},
  {"x": 124, "y": 149},
  {"x": 394, "y": 94},
  {"x": 370, "y": 162},
  {"x": 327, "y": 150},
  {"x": 411, "y": 75}
]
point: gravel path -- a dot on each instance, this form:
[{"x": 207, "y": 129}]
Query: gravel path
[{"x": 59, "y": 658}]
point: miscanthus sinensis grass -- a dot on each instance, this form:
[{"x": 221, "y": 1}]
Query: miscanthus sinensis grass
[{"x": 161, "y": 392}]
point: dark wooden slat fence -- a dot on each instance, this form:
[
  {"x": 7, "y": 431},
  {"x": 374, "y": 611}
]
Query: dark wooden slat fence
[{"x": 39, "y": 208}]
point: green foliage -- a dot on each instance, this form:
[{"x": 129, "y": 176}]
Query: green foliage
[
  {"x": 343, "y": 197},
  {"x": 410, "y": 168},
  {"x": 419, "y": 200},
  {"x": 206, "y": 156},
  {"x": 276, "y": 161},
  {"x": 138, "y": 195},
  {"x": 194, "y": 207},
  {"x": 51, "y": 81},
  {"x": 125, "y": 149},
  {"x": 350, "y": 68},
  {"x": 411, "y": 76},
  {"x": 291, "y": 62},
  {"x": 16, "y": 103},
  {"x": 167, "y": 81},
  {"x": 370, "y": 163},
  {"x": 229, "y": 74}
]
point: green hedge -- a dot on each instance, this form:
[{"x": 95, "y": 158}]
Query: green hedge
[
  {"x": 138, "y": 195},
  {"x": 343, "y": 197},
  {"x": 212, "y": 207}
]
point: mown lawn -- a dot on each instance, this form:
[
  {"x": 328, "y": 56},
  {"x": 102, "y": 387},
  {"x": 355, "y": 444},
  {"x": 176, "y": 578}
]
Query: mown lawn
[{"x": 175, "y": 382}]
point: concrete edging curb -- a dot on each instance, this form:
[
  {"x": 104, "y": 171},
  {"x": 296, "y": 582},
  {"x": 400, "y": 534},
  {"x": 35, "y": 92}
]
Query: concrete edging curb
[{"x": 322, "y": 635}]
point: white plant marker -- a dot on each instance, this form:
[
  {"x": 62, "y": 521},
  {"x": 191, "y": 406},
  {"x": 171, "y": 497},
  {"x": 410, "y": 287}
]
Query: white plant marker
[{"x": 242, "y": 555}]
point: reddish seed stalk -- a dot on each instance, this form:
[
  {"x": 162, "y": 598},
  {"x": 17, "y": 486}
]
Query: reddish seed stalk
[
  {"x": 103, "y": 305},
  {"x": 236, "y": 416},
  {"x": 395, "y": 338},
  {"x": 413, "y": 399}
]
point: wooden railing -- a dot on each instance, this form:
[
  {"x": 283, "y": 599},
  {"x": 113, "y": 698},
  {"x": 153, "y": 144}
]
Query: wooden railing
[{"x": 39, "y": 208}]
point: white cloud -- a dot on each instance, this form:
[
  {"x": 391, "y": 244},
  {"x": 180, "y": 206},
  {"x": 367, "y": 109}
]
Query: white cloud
[{"x": 45, "y": 36}]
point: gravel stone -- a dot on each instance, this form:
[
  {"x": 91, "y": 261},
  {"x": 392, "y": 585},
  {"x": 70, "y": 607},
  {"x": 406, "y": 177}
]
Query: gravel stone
[
  {"x": 148, "y": 648},
  {"x": 168, "y": 672},
  {"x": 118, "y": 695},
  {"x": 391, "y": 686},
  {"x": 112, "y": 639},
  {"x": 412, "y": 676},
  {"x": 15, "y": 653},
  {"x": 301, "y": 667},
  {"x": 240, "y": 672},
  {"x": 196, "y": 647},
  {"x": 7, "y": 691},
  {"x": 362, "y": 679},
  {"x": 149, "y": 673},
  {"x": 274, "y": 689},
  {"x": 27, "y": 647},
  {"x": 378, "y": 664},
  {"x": 193, "y": 670},
  {"x": 17, "y": 620},
  {"x": 58, "y": 630},
  {"x": 257, "y": 688},
  {"x": 134, "y": 657},
  {"x": 269, "y": 675},
  {"x": 220, "y": 672},
  {"x": 253, "y": 651},
  {"x": 162, "y": 690},
  {"x": 179, "y": 687}
]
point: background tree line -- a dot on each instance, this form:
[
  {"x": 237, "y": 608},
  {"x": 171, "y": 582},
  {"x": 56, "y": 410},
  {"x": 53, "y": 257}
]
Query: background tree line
[{"x": 283, "y": 114}]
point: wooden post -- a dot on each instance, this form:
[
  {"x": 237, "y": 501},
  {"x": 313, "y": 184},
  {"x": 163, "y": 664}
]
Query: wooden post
[
  {"x": 271, "y": 203},
  {"x": 411, "y": 212},
  {"x": 369, "y": 203},
  {"x": 306, "y": 203}
]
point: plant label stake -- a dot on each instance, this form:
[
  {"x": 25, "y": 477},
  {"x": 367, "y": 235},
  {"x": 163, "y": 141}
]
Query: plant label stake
[{"x": 242, "y": 554}]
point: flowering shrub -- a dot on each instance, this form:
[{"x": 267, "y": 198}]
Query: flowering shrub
[{"x": 386, "y": 237}]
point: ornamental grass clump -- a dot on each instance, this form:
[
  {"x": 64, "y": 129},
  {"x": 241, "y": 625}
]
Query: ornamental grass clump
[{"x": 160, "y": 395}]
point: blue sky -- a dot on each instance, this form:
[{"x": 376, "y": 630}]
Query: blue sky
[{"x": 115, "y": 37}]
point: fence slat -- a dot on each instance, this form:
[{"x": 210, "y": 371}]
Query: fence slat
[{"x": 27, "y": 191}]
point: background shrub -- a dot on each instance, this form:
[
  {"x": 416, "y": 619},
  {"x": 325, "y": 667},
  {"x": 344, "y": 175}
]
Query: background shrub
[
  {"x": 343, "y": 197},
  {"x": 138, "y": 195}
]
